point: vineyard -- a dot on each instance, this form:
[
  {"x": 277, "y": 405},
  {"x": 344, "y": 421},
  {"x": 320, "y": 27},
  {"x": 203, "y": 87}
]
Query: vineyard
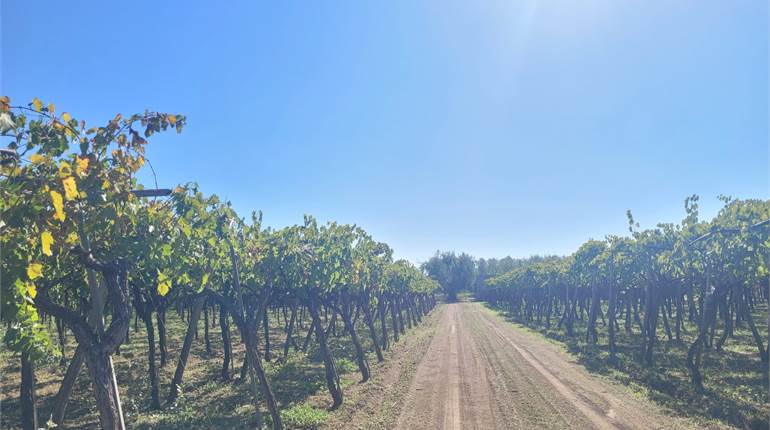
[
  {"x": 670, "y": 299},
  {"x": 107, "y": 283},
  {"x": 86, "y": 248}
]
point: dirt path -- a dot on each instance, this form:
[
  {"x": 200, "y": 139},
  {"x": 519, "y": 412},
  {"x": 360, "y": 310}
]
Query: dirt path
[{"x": 480, "y": 372}]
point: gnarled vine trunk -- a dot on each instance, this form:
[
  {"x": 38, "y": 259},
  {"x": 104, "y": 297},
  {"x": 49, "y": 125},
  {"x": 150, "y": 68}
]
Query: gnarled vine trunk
[
  {"x": 192, "y": 324},
  {"x": 363, "y": 365},
  {"x": 372, "y": 331},
  {"x": 332, "y": 378},
  {"x": 27, "y": 394}
]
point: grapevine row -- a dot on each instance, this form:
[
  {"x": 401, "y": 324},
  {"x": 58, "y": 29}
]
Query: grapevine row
[
  {"x": 711, "y": 274},
  {"x": 84, "y": 243}
]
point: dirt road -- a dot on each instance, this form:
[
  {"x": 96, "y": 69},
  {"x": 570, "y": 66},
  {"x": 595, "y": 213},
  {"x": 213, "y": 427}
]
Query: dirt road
[{"x": 481, "y": 372}]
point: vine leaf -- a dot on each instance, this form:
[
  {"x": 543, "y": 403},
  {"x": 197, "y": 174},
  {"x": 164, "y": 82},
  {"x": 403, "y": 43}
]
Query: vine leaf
[
  {"x": 58, "y": 205},
  {"x": 82, "y": 166},
  {"x": 31, "y": 290},
  {"x": 46, "y": 239},
  {"x": 70, "y": 188},
  {"x": 34, "y": 270},
  {"x": 164, "y": 284}
]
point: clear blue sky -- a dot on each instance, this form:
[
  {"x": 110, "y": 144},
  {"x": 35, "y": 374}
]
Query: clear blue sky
[{"x": 493, "y": 127}]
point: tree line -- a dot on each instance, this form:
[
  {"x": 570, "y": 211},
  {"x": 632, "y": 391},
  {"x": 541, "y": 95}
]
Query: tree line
[{"x": 463, "y": 272}]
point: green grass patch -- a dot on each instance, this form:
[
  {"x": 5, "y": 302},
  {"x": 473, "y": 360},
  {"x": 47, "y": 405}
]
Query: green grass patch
[
  {"x": 345, "y": 365},
  {"x": 303, "y": 416}
]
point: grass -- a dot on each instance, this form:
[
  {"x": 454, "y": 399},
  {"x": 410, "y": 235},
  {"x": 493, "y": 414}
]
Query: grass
[
  {"x": 206, "y": 401},
  {"x": 303, "y": 416},
  {"x": 735, "y": 379}
]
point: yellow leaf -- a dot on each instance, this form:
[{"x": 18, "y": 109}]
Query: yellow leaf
[
  {"x": 172, "y": 119},
  {"x": 58, "y": 205},
  {"x": 34, "y": 270},
  {"x": 37, "y": 104},
  {"x": 163, "y": 288},
  {"x": 82, "y": 166},
  {"x": 106, "y": 185},
  {"x": 164, "y": 284},
  {"x": 46, "y": 239},
  {"x": 70, "y": 188},
  {"x": 66, "y": 117},
  {"x": 72, "y": 238},
  {"x": 64, "y": 169},
  {"x": 36, "y": 158},
  {"x": 31, "y": 290},
  {"x": 10, "y": 171},
  {"x": 135, "y": 163},
  {"x": 51, "y": 108}
]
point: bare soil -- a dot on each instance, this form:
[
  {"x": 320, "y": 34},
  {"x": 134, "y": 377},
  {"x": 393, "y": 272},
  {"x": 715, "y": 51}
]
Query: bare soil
[{"x": 480, "y": 372}]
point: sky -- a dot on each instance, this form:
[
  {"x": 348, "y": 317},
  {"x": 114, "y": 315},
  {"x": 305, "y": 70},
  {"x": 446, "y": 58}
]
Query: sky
[{"x": 494, "y": 128}]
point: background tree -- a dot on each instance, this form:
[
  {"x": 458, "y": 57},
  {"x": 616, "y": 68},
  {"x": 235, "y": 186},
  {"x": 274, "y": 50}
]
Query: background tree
[{"x": 453, "y": 272}]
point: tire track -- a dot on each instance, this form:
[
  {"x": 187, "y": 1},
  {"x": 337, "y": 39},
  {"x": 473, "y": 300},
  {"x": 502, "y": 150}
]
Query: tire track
[
  {"x": 480, "y": 372},
  {"x": 603, "y": 420}
]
